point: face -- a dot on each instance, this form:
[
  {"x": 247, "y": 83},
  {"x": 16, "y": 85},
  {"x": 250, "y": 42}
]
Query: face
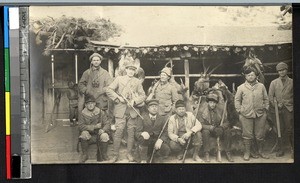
[
  {"x": 90, "y": 105},
  {"x": 153, "y": 109},
  {"x": 180, "y": 111},
  {"x": 251, "y": 77},
  {"x": 96, "y": 61},
  {"x": 164, "y": 77},
  {"x": 212, "y": 104},
  {"x": 282, "y": 73},
  {"x": 130, "y": 71}
]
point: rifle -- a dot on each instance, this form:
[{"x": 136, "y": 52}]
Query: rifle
[
  {"x": 277, "y": 125},
  {"x": 128, "y": 103},
  {"x": 151, "y": 95},
  {"x": 190, "y": 139},
  {"x": 99, "y": 152},
  {"x": 161, "y": 132},
  {"x": 219, "y": 157}
]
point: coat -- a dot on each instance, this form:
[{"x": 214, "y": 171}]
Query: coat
[
  {"x": 251, "y": 101},
  {"x": 95, "y": 82},
  {"x": 131, "y": 88},
  {"x": 205, "y": 116},
  {"x": 88, "y": 119},
  {"x": 154, "y": 130},
  {"x": 191, "y": 125},
  {"x": 167, "y": 96},
  {"x": 283, "y": 92}
]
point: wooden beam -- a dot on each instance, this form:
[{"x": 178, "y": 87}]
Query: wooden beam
[
  {"x": 76, "y": 68},
  {"x": 111, "y": 68},
  {"x": 52, "y": 78},
  {"x": 187, "y": 76}
]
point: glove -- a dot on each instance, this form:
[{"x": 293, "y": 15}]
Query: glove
[
  {"x": 100, "y": 131},
  {"x": 145, "y": 135},
  {"x": 218, "y": 131},
  {"x": 98, "y": 125},
  {"x": 181, "y": 141},
  {"x": 113, "y": 127},
  {"x": 187, "y": 135},
  {"x": 158, "y": 144}
]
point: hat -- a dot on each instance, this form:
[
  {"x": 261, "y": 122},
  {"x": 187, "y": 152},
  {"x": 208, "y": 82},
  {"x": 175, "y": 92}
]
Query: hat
[
  {"x": 89, "y": 99},
  {"x": 281, "y": 66},
  {"x": 130, "y": 62},
  {"x": 212, "y": 97},
  {"x": 167, "y": 71},
  {"x": 179, "y": 103},
  {"x": 247, "y": 70},
  {"x": 95, "y": 55},
  {"x": 152, "y": 102}
]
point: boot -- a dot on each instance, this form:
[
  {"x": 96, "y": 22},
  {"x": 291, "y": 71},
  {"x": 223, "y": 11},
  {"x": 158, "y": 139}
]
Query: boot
[
  {"x": 99, "y": 151},
  {"x": 260, "y": 144},
  {"x": 253, "y": 150},
  {"x": 104, "y": 146},
  {"x": 84, "y": 148},
  {"x": 143, "y": 152},
  {"x": 247, "y": 144},
  {"x": 114, "y": 159},
  {"x": 206, "y": 157},
  {"x": 130, "y": 157},
  {"x": 229, "y": 157},
  {"x": 195, "y": 154},
  {"x": 291, "y": 137},
  {"x": 279, "y": 152}
]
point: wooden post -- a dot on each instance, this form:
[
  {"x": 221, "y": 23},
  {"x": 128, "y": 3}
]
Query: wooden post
[
  {"x": 52, "y": 78},
  {"x": 111, "y": 67},
  {"x": 76, "y": 68},
  {"x": 187, "y": 77}
]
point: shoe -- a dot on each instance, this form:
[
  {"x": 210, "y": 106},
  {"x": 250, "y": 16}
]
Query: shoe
[
  {"x": 229, "y": 157},
  {"x": 254, "y": 155},
  {"x": 114, "y": 159},
  {"x": 179, "y": 157},
  {"x": 260, "y": 144},
  {"x": 130, "y": 157},
  {"x": 197, "y": 158},
  {"x": 247, "y": 144},
  {"x": 279, "y": 153},
  {"x": 83, "y": 158},
  {"x": 206, "y": 157},
  {"x": 143, "y": 161}
]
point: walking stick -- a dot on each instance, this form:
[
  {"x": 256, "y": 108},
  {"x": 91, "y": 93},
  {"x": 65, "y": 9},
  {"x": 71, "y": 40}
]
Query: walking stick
[
  {"x": 161, "y": 132},
  {"x": 190, "y": 139},
  {"x": 219, "y": 157},
  {"x": 278, "y": 142}
]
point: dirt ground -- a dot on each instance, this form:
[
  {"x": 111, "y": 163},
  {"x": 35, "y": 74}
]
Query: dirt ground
[{"x": 59, "y": 146}]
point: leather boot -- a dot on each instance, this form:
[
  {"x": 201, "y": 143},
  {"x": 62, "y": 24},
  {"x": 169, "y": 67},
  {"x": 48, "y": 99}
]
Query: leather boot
[
  {"x": 143, "y": 150},
  {"x": 229, "y": 157},
  {"x": 104, "y": 146},
  {"x": 196, "y": 155},
  {"x": 279, "y": 152},
  {"x": 247, "y": 144},
  {"x": 260, "y": 144},
  {"x": 253, "y": 150},
  {"x": 84, "y": 148},
  {"x": 206, "y": 157}
]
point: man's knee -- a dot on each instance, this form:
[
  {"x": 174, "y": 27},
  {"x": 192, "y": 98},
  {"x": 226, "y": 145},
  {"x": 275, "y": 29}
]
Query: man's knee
[
  {"x": 175, "y": 146},
  {"x": 85, "y": 135},
  {"x": 205, "y": 133},
  {"x": 104, "y": 137},
  {"x": 164, "y": 150}
]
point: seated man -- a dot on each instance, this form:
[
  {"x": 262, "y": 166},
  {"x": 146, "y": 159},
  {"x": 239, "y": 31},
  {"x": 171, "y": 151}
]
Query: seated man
[
  {"x": 148, "y": 131},
  {"x": 93, "y": 126},
  {"x": 210, "y": 117},
  {"x": 182, "y": 126}
]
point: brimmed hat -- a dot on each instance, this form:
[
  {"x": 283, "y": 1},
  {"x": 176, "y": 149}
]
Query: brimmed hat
[
  {"x": 89, "y": 99},
  {"x": 179, "y": 103},
  {"x": 281, "y": 66},
  {"x": 95, "y": 55},
  {"x": 167, "y": 71},
  {"x": 212, "y": 97},
  {"x": 152, "y": 102}
]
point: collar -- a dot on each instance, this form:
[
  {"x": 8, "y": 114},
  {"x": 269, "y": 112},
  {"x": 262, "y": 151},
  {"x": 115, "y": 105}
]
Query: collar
[
  {"x": 212, "y": 110},
  {"x": 152, "y": 116},
  {"x": 178, "y": 117},
  {"x": 95, "y": 68},
  {"x": 251, "y": 84}
]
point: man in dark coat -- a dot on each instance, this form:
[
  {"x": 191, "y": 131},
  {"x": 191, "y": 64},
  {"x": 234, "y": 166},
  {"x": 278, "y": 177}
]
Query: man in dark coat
[
  {"x": 210, "y": 117},
  {"x": 147, "y": 132},
  {"x": 94, "y": 126}
]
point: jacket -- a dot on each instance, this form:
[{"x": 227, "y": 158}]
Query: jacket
[
  {"x": 251, "y": 101},
  {"x": 131, "y": 89},
  {"x": 167, "y": 96},
  {"x": 191, "y": 125},
  {"x": 283, "y": 92}
]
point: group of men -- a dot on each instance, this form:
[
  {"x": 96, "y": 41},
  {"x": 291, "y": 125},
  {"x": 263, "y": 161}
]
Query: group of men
[{"x": 112, "y": 105}]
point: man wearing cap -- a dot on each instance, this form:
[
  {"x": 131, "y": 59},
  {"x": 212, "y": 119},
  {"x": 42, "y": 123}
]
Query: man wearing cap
[
  {"x": 93, "y": 126},
  {"x": 165, "y": 92},
  {"x": 131, "y": 88},
  {"x": 282, "y": 89},
  {"x": 210, "y": 117},
  {"x": 252, "y": 103},
  {"x": 182, "y": 126},
  {"x": 94, "y": 82},
  {"x": 147, "y": 132}
]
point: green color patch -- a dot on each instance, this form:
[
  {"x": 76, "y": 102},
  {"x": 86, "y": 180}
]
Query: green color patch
[{"x": 7, "y": 69}]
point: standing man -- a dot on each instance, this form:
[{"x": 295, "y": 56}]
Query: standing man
[
  {"x": 182, "y": 126},
  {"x": 211, "y": 114},
  {"x": 282, "y": 89},
  {"x": 147, "y": 132},
  {"x": 72, "y": 95},
  {"x": 131, "y": 88},
  {"x": 94, "y": 126},
  {"x": 94, "y": 82},
  {"x": 164, "y": 92},
  {"x": 252, "y": 102}
]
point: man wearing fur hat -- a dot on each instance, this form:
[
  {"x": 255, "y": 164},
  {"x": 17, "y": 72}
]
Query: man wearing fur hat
[
  {"x": 94, "y": 126},
  {"x": 182, "y": 126},
  {"x": 252, "y": 104},
  {"x": 125, "y": 116},
  {"x": 282, "y": 89},
  {"x": 210, "y": 117},
  {"x": 164, "y": 92},
  {"x": 147, "y": 132},
  {"x": 94, "y": 82}
]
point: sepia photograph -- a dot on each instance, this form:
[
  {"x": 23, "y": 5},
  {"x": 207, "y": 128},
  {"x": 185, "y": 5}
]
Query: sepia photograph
[{"x": 161, "y": 84}]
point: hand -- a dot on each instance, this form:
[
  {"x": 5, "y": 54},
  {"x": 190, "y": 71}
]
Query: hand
[
  {"x": 181, "y": 141},
  {"x": 131, "y": 103},
  {"x": 280, "y": 105},
  {"x": 113, "y": 127},
  {"x": 121, "y": 99},
  {"x": 187, "y": 135},
  {"x": 218, "y": 131},
  {"x": 145, "y": 135},
  {"x": 98, "y": 125},
  {"x": 158, "y": 144},
  {"x": 100, "y": 131},
  {"x": 117, "y": 100}
]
